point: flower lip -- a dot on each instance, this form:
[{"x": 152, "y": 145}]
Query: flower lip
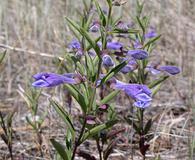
[
  {"x": 138, "y": 54},
  {"x": 141, "y": 104}
]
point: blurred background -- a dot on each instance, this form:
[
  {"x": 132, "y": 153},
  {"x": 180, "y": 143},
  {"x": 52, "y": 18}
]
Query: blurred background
[{"x": 34, "y": 32}]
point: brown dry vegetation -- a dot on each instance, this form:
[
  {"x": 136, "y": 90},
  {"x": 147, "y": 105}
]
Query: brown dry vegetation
[{"x": 34, "y": 31}]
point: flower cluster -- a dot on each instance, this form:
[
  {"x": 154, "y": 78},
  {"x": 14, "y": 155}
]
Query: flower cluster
[{"x": 106, "y": 50}]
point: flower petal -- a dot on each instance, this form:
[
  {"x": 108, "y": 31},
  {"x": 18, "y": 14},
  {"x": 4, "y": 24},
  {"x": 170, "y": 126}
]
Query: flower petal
[
  {"x": 173, "y": 70},
  {"x": 138, "y": 54}
]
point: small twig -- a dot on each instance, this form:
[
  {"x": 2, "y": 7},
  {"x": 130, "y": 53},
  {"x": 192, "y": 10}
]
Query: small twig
[{"x": 29, "y": 51}]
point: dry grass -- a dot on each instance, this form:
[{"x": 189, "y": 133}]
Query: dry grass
[{"x": 38, "y": 27}]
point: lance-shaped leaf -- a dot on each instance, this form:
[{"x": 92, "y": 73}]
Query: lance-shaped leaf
[
  {"x": 109, "y": 97},
  {"x": 113, "y": 71},
  {"x": 118, "y": 30},
  {"x": 156, "y": 89},
  {"x": 91, "y": 42},
  {"x": 94, "y": 131},
  {"x": 148, "y": 126},
  {"x": 78, "y": 97},
  {"x": 151, "y": 41},
  {"x": 2, "y": 56},
  {"x": 60, "y": 149},
  {"x": 90, "y": 66},
  {"x": 64, "y": 115},
  {"x": 158, "y": 81},
  {"x": 101, "y": 13},
  {"x": 140, "y": 24}
]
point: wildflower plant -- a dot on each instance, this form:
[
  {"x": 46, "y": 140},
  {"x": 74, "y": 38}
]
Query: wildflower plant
[
  {"x": 34, "y": 119},
  {"x": 100, "y": 60},
  {"x": 6, "y": 120}
]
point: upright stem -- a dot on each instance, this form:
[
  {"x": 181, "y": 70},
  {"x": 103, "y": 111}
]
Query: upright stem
[
  {"x": 99, "y": 148},
  {"x": 77, "y": 143}
]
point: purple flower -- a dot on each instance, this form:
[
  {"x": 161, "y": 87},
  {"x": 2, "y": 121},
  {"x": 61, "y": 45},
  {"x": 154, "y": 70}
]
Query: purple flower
[
  {"x": 131, "y": 66},
  {"x": 123, "y": 26},
  {"x": 137, "y": 44},
  {"x": 103, "y": 107},
  {"x": 90, "y": 120},
  {"x": 157, "y": 69},
  {"x": 114, "y": 46},
  {"x": 151, "y": 33},
  {"x": 138, "y": 54},
  {"x": 95, "y": 27},
  {"x": 52, "y": 79},
  {"x": 140, "y": 93},
  {"x": 107, "y": 61},
  {"x": 74, "y": 45},
  {"x": 173, "y": 70}
]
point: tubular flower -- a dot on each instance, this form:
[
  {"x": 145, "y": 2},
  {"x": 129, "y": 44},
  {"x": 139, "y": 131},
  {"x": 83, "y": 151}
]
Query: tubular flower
[
  {"x": 53, "y": 79},
  {"x": 156, "y": 69},
  {"x": 131, "y": 66},
  {"x": 74, "y": 45},
  {"x": 151, "y": 33},
  {"x": 173, "y": 70},
  {"x": 138, "y": 54},
  {"x": 107, "y": 61},
  {"x": 114, "y": 46},
  {"x": 140, "y": 93}
]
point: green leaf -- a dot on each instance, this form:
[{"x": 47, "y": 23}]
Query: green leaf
[
  {"x": 139, "y": 7},
  {"x": 90, "y": 66},
  {"x": 78, "y": 97},
  {"x": 64, "y": 115},
  {"x": 140, "y": 24},
  {"x": 91, "y": 42},
  {"x": 101, "y": 13},
  {"x": 109, "y": 3},
  {"x": 60, "y": 149},
  {"x": 109, "y": 97},
  {"x": 118, "y": 30},
  {"x": 156, "y": 89},
  {"x": 148, "y": 126},
  {"x": 113, "y": 71},
  {"x": 2, "y": 56},
  {"x": 31, "y": 123},
  {"x": 94, "y": 131},
  {"x": 158, "y": 81},
  {"x": 151, "y": 41}
]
